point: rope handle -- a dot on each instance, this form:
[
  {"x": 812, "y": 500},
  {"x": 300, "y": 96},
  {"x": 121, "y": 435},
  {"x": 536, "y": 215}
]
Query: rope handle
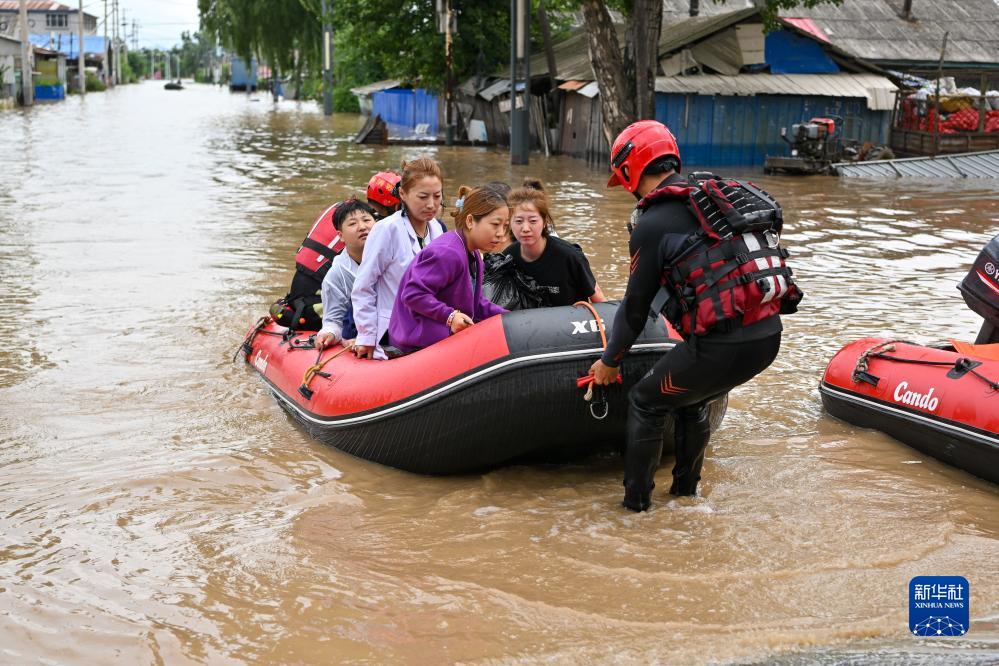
[
  {"x": 316, "y": 369},
  {"x": 247, "y": 345},
  {"x": 595, "y": 395},
  {"x": 880, "y": 351},
  {"x": 860, "y": 370},
  {"x": 600, "y": 322}
]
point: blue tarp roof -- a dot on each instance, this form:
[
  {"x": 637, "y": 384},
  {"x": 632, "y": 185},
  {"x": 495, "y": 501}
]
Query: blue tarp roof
[
  {"x": 69, "y": 44},
  {"x": 790, "y": 53}
]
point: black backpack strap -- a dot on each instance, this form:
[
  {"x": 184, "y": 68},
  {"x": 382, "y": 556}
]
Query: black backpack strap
[
  {"x": 659, "y": 302},
  {"x": 299, "y": 304},
  {"x": 319, "y": 248}
]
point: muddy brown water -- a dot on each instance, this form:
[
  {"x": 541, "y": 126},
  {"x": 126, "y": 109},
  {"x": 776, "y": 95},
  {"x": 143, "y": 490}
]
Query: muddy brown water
[{"x": 157, "y": 506}]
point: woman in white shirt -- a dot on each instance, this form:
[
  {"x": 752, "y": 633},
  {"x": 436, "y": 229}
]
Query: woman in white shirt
[{"x": 391, "y": 246}]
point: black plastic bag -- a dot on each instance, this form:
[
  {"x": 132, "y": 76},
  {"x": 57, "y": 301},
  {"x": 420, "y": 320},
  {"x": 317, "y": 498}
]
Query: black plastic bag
[{"x": 507, "y": 287}]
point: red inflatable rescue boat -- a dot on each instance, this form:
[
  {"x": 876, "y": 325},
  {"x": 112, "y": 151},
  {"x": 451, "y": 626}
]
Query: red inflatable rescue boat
[
  {"x": 942, "y": 400},
  {"x": 503, "y": 390}
]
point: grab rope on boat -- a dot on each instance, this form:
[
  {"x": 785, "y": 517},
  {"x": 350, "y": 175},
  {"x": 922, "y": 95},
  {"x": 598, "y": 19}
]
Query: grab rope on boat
[
  {"x": 247, "y": 346},
  {"x": 316, "y": 369},
  {"x": 959, "y": 367},
  {"x": 595, "y": 395}
]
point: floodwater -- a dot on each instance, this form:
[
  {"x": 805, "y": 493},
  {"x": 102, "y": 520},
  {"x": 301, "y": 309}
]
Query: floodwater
[{"x": 157, "y": 506}]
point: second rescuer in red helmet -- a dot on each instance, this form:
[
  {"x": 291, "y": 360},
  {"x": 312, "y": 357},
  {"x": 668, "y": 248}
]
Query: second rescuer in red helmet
[
  {"x": 645, "y": 160},
  {"x": 383, "y": 195}
]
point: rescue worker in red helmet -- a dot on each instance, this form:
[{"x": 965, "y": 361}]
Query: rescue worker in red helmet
[
  {"x": 383, "y": 193},
  {"x": 645, "y": 160}
]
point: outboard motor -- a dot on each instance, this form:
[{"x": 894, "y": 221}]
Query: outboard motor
[{"x": 980, "y": 289}]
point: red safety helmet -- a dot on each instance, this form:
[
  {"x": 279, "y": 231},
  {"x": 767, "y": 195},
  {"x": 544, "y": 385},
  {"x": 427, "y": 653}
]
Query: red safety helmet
[
  {"x": 381, "y": 188},
  {"x": 636, "y": 147}
]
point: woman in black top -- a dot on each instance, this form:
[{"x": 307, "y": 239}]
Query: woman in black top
[{"x": 560, "y": 268}]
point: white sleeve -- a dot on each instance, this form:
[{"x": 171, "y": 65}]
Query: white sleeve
[{"x": 377, "y": 255}]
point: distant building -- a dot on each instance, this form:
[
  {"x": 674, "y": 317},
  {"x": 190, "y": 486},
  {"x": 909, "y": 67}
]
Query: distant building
[
  {"x": 48, "y": 66},
  {"x": 95, "y": 50},
  {"x": 908, "y": 35},
  {"x": 409, "y": 113},
  {"x": 10, "y": 67},
  {"x": 45, "y": 16},
  {"x": 955, "y": 41},
  {"x": 241, "y": 76},
  {"x": 725, "y": 90}
]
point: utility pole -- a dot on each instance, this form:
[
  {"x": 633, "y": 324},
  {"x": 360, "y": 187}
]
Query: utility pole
[
  {"x": 124, "y": 36},
  {"x": 27, "y": 81},
  {"x": 520, "y": 73},
  {"x": 117, "y": 43},
  {"x": 327, "y": 59},
  {"x": 446, "y": 24},
  {"x": 105, "y": 60},
  {"x": 81, "y": 65},
  {"x": 114, "y": 42}
]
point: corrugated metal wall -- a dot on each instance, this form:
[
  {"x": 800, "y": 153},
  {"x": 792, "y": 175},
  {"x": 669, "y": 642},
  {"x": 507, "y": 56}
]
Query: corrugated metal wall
[
  {"x": 407, "y": 108},
  {"x": 741, "y": 131},
  {"x": 582, "y": 128}
]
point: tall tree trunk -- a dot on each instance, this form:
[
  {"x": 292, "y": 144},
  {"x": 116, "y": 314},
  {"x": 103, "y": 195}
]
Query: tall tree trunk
[
  {"x": 617, "y": 90},
  {"x": 644, "y": 27}
]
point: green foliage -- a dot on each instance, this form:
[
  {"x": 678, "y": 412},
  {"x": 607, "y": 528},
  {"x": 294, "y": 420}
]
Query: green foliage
[
  {"x": 94, "y": 84},
  {"x": 128, "y": 75},
  {"x": 380, "y": 39},
  {"x": 312, "y": 87},
  {"x": 195, "y": 54},
  {"x": 274, "y": 30},
  {"x": 373, "y": 39},
  {"x": 138, "y": 64},
  {"x": 345, "y": 101}
]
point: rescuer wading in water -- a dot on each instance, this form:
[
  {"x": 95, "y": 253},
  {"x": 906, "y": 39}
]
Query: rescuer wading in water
[{"x": 705, "y": 253}]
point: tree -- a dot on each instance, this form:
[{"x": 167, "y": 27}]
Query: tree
[
  {"x": 401, "y": 41},
  {"x": 626, "y": 79},
  {"x": 284, "y": 33},
  {"x": 373, "y": 39},
  {"x": 195, "y": 55}
]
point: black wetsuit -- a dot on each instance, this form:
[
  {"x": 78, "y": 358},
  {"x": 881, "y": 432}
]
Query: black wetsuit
[{"x": 688, "y": 376}]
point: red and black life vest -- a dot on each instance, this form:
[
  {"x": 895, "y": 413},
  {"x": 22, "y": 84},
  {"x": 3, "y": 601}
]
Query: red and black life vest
[
  {"x": 301, "y": 308},
  {"x": 733, "y": 272},
  {"x": 322, "y": 244}
]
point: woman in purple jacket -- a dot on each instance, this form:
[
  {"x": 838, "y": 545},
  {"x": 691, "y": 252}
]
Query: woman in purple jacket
[{"x": 441, "y": 290}]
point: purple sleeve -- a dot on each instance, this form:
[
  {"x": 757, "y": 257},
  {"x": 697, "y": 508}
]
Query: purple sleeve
[
  {"x": 432, "y": 270},
  {"x": 487, "y": 309}
]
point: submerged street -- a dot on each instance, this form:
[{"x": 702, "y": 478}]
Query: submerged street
[{"x": 157, "y": 505}]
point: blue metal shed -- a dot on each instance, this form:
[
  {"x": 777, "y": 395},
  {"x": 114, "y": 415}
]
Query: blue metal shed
[
  {"x": 718, "y": 129},
  {"x": 405, "y": 109}
]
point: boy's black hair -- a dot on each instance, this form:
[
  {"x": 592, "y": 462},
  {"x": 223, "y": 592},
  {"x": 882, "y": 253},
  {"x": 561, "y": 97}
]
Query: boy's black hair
[{"x": 346, "y": 208}]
